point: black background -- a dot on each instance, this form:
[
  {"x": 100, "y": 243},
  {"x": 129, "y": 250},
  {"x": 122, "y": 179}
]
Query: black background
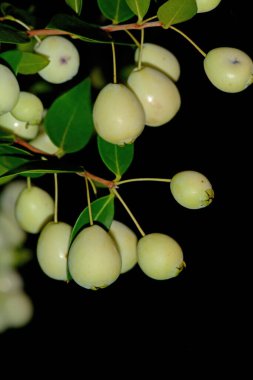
[{"x": 204, "y": 311}]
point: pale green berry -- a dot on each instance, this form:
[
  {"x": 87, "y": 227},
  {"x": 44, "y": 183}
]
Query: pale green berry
[
  {"x": 11, "y": 234},
  {"x": 63, "y": 56},
  {"x": 126, "y": 241},
  {"x": 18, "y": 127},
  {"x": 29, "y": 108},
  {"x": 229, "y": 69},
  {"x": 206, "y": 5},
  {"x": 52, "y": 249},
  {"x": 191, "y": 189},
  {"x": 34, "y": 208},
  {"x": 43, "y": 142},
  {"x": 160, "y": 58},
  {"x": 9, "y": 195},
  {"x": 157, "y": 93},
  {"x": 10, "y": 280},
  {"x": 118, "y": 114},
  {"x": 9, "y": 89},
  {"x": 93, "y": 259},
  {"x": 18, "y": 309},
  {"x": 160, "y": 256}
]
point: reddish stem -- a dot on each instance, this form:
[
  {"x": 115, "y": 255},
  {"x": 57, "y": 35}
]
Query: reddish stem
[
  {"x": 107, "y": 183},
  {"x": 25, "y": 144}
]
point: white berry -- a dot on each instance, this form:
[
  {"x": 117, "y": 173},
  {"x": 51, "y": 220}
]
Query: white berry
[
  {"x": 160, "y": 256},
  {"x": 206, "y": 5},
  {"x": 52, "y": 249},
  {"x": 9, "y": 89},
  {"x": 94, "y": 260},
  {"x": 160, "y": 58},
  {"x": 229, "y": 69},
  {"x": 29, "y": 108},
  {"x": 191, "y": 189},
  {"x": 118, "y": 114},
  {"x": 63, "y": 56},
  {"x": 157, "y": 93}
]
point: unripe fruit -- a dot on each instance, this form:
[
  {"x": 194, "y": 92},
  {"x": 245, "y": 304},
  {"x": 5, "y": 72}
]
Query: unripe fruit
[
  {"x": 160, "y": 256},
  {"x": 229, "y": 69},
  {"x": 29, "y": 108},
  {"x": 52, "y": 249},
  {"x": 18, "y": 127},
  {"x": 12, "y": 235},
  {"x": 118, "y": 114},
  {"x": 10, "y": 280},
  {"x": 64, "y": 59},
  {"x": 34, "y": 208},
  {"x": 9, "y": 195},
  {"x": 206, "y": 5},
  {"x": 94, "y": 260},
  {"x": 126, "y": 241},
  {"x": 43, "y": 143},
  {"x": 191, "y": 189},
  {"x": 157, "y": 93},
  {"x": 18, "y": 309},
  {"x": 159, "y": 58},
  {"x": 9, "y": 89}
]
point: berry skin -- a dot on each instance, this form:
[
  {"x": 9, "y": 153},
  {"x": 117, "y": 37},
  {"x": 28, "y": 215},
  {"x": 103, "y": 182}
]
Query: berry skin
[
  {"x": 118, "y": 115},
  {"x": 160, "y": 58},
  {"x": 157, "y": 93},
  {"x": 9, "y": 89},
  {"x": 191, "y": 189},
  {"x": 160, "y": 256},
  {"x": 229, "y": 69},
  {"x": 18, "y": 127},
  {"x": 44, "y": 143},
  {"x": 34, "y": 208},
  {"x": 64, "y": 59},
  {"x": 52, "y": 249},
  {"x": 93, "y": 259},
  {"x": 126, "y": 241},
  {"x": 29, "y": 108}
]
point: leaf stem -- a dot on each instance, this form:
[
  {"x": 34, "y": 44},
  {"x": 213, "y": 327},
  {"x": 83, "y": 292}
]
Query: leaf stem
[
  {"x": 114, "y": 63},
  {"x": 188, "y": 39},
  {"x": 88, "y": 200},
  {"x": 56, "y": 198},
  {"x": 114, "y": 191},
  {"x": 143, "y": 179}
]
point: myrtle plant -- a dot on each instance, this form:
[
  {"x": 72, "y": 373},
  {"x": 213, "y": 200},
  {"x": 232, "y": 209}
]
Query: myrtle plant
[{"x": 44, "y": 125}]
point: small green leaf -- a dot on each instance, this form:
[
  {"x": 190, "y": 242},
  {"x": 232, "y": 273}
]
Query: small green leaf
[
  {"x": 139, "y": 7},
  {"x": 13, "y": 58},
  {"x": 115, "y": 10},
  {"x": 68, "y": 121},
  {"x": 31, "y": 63},
  {"x": 6, "y": 137},
  {"x": 76, "y": 5},
  {"x": 10, "y": 35},
  {"x": 116, "y": 158},
  {"x": 11, "y": 158},
  {"x": 176, "y": 11},
  {"x": 102, "y": 210},
  {"x": 81, "y": 29},
  {"x": 38, "y": 167}
]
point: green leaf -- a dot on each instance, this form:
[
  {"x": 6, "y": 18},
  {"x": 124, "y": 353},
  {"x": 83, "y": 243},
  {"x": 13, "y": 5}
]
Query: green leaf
[
  {"x": 31, "y": 63},
  {"x": 13, "y": 58},
  {"x": 68, "y": 121},
  {"x": 139, "y": 7},
  {"x": 116, "y": 158},
  {"x": 38, "y": 167},
  {"x": 79, "y": 28},
  {"x": 102, "y": 210},
  {"x": 10, "y": 35},
  {"x": 76, "y": 5},
  {"x": 176, "y": 11},
  {"x": 11, "y": 158},
  {"x": 6, "y": 137},
  {"x": 115, "y": 10},
  {"x": 21, "y": 14}
]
